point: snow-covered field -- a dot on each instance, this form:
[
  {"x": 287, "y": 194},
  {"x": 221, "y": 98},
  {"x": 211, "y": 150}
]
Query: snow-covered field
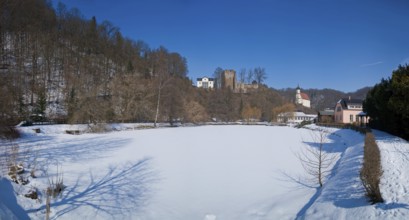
[{"x": 207, "y": 172}]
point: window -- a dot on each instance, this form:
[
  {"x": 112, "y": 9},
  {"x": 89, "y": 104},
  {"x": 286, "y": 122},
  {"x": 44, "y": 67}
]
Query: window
[
  {"x": 205, "y": 85},
  {"x": 338, "y": 108},
  {"x": 351, "y": 118},
  {"x": 356, "y": 118}
]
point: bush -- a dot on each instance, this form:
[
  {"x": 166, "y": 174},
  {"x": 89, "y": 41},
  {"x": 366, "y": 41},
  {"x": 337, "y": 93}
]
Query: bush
[
  {"x": 371, "y": 169},
  {"x": 99, "y": 128},
  {"x": 8, "y": 132},
  {"x": 303, "y": 123}
]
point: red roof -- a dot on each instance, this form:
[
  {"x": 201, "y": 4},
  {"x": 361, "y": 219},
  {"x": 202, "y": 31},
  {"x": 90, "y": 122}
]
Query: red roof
[{"x": 305, "y": 96}]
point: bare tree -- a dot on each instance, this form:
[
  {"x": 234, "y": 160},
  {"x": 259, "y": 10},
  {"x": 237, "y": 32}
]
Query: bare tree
[
  {"x": 217, "y": 75},
  {"x": 260, "y": 75},
  {"x": 195, "y": 112},
  {"x": 251, "y": 114},
  {"x": 242, "y": 75},
  {"x": 250, "y": 76},
  {"x": 316, "y": 161},
  {"x": 286, "y": 110},
  {"x": 161, "y": 83}
]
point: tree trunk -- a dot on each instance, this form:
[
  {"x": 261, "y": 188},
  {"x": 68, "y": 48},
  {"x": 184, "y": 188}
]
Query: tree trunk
[{"x": 157, "y": 104}]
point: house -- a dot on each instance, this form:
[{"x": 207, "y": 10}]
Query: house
[
  {"x": 349, "y": 111},
  {"x": 246, "y": 88},
  {"x": 205, "y": 82},
  {"x": 302, "y": 98},
  {"x": 326, "y": 116},
  {"x": 295, "y": 117}
]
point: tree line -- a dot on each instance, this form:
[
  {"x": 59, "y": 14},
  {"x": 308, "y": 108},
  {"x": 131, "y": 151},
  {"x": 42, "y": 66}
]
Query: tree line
[
  {"x": 387, "y": 103},
  {"x": 56, "y": 64}
]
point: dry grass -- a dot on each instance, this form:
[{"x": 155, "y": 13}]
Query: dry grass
[
  {"x": 55, "y": 185},
  {"x": 371, "y": 170},
  {"x": 54, "y": 189}
]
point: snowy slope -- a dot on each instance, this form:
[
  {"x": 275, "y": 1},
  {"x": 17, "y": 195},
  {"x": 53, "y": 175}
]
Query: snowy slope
[
  {"x": 395, "y": 178},
  {"x": 343, "y": 196},
  {"x": 208, "y": 172}
]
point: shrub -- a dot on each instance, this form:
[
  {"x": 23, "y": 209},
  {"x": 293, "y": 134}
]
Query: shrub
[
  {"x": 303, "y": 123},
  {"x": 371, "y": 169},
  {"x": 8, "y": 132},
  {"x": 32, "y": 194},
  {"x": 55, "y": 186},
  {"x": 99, "y": 128},
  {"x": 54, "y": 189}
]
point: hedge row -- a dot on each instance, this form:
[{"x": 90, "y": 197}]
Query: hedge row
[{"x": 371, "y": 169}]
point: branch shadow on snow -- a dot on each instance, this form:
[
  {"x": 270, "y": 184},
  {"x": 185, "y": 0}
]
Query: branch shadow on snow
[
  {"x": 52, "y": 151},
  {"x": 73, "y": 151},
  {"x": 333, "y": 144},
  {"x": 349, "y": 192},
  {"x": 123, "y": 189},
  {"x": 392, "y": 205},
  {"x": 79, "y": 150},
  {"x": 296, "y": 182}
]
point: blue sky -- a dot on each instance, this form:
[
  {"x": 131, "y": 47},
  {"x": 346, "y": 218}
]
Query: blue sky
[{"x": 338, "y": 44}]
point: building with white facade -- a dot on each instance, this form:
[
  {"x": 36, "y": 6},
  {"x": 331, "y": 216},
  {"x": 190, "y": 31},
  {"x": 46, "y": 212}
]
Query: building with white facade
[
  {"x": 302, "y": 98},
  {"x": 205, "y": 82},
  {"x": 295, "y": 117}
]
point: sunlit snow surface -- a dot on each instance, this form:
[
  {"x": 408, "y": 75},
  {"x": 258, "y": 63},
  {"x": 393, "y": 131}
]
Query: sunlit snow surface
[{"x": 206, "y": 172}]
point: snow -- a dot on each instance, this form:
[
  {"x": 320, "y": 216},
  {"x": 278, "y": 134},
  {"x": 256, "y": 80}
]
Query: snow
[
  {"x": 206, "y": 172},
  {"x": 395, "y": 177}
]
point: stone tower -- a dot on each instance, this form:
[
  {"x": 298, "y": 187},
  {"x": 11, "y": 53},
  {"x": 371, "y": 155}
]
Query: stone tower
[{"x": 229, "y": 79}]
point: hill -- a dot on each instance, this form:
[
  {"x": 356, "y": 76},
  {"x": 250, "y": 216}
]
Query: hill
[{"x": 323, "y": 98}]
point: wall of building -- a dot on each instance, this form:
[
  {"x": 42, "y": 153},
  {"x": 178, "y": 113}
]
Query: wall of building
[
  {"x": 348, "y": 116},
  {"x": 245, "y": 88},
  {"x": 205, "y": 83},
  {"x": 229, "y": 79}
]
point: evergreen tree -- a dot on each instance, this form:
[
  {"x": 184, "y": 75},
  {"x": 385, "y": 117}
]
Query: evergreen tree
[{"x": 387, "y": 104}]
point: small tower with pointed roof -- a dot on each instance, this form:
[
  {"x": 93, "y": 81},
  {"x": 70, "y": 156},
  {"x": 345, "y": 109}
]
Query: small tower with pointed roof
[{"x": 302, "y": 98}]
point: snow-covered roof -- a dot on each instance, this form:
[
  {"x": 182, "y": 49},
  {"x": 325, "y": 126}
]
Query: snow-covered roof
[{"x": 297, "y": 114}]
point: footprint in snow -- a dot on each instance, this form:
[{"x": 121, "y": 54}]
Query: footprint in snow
[{"x": 210, "y": 217}]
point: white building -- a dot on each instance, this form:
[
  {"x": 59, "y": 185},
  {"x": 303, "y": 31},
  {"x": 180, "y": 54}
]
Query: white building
[
  {"x": 205, "y": 82},
  {"x": 295, "y": 117},
  {"x": 302, "y": 98}
]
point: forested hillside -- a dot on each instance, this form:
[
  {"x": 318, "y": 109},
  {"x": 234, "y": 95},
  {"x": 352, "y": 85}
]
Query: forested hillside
[
  {"x": 324, "y": 98},
  {"x": 57, "y": 65}
]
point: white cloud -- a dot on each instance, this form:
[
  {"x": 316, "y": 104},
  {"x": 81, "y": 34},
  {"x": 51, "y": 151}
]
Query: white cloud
[{"x": 371, "y": 64}]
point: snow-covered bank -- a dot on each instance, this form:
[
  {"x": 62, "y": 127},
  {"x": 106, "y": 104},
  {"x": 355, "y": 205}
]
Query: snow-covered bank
[
  {"x": 342, "y": 197},
  {"x": 206, "y": 172},
  {"x": 395, "y": 178}
]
